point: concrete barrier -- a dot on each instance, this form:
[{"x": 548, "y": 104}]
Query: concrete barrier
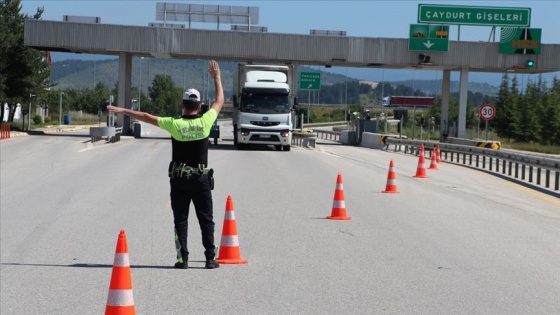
[
  {"x": 347, "y": 137},
  {"x": 112, "y": 133},
  {"x": 375, "y": 140}
]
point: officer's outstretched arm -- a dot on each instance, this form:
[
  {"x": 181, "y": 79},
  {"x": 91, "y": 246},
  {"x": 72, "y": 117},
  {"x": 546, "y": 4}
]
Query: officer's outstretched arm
[{"x": 142, "y": 116}]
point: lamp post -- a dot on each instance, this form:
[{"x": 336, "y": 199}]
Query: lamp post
[
  {"x": 60, "y": 111},
  {"x": 31, "y": 96},
  {"x": 140, "y": 88}
]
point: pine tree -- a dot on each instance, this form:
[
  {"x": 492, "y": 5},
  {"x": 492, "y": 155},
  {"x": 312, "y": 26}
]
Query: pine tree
[
  {"x": 527, "y": 127},
  {"x": 504, "y": 110},
  {"x": 550, "y": 133},
  {"x": 23, "y": 70},
  {"x": 166, "y": 96}
]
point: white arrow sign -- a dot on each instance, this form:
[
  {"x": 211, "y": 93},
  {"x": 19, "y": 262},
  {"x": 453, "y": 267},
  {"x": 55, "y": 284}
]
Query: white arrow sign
[{"x": 428, "y": 44}]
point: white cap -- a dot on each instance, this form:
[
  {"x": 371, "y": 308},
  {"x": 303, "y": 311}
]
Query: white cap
[{"x": 191, "y": 95}]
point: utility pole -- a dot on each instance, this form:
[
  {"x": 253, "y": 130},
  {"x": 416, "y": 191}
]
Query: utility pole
[
  {"x": 31, "y": 96},
  {"x": 60, "y": 112}
]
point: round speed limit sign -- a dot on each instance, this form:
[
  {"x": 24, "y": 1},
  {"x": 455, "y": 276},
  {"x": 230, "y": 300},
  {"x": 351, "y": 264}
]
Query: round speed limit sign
[{"x": 487, "y": 111}]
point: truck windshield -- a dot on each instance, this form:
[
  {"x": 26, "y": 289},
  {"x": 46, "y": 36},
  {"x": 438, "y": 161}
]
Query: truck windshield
[{"x": 265, "y": 103}]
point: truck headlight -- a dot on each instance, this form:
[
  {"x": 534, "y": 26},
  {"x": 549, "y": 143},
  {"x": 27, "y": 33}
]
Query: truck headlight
[
  {"x": 285, "y": 133},
  {"x": 244, "y": 132}
]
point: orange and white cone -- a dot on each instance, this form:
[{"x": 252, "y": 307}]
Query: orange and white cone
[
  {"x": 229, "y": 246},
  {"x": 421, "y": 169},
  {"x": 391, "y": 186},
  {"x": 339, "y": 206},
  {"x": 422, "y": 149},
  {"x": 120, "y": 300},
  {"x": 433, "y": 164},
  {"x": 438, "y": 154}
]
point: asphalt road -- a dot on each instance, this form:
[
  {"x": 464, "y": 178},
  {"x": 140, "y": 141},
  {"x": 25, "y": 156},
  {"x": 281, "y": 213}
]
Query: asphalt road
[{"x": 458, "y": 242}]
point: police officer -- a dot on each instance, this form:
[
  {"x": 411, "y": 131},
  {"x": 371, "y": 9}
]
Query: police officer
[{"x": 190, "y": 177}]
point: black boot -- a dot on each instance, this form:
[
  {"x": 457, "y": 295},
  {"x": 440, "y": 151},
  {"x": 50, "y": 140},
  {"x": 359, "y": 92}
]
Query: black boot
[
  {"x": 211, "y": 264},
  {"x": 182, "y": 265}
]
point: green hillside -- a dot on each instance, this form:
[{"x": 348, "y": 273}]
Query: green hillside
[{"x": 79, "y": 74}]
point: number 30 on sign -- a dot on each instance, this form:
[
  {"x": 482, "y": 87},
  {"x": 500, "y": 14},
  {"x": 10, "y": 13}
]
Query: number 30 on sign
[{"x": 487, "y": 111}]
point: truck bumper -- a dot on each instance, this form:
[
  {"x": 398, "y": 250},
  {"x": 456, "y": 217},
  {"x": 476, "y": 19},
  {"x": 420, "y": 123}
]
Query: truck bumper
[{"x": 264, "y": 137}]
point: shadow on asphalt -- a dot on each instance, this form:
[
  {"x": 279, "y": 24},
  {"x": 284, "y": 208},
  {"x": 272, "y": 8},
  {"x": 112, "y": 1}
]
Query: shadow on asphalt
[
  {"x": 55, "y": 134},
  {"x": 96, "y": 266}
]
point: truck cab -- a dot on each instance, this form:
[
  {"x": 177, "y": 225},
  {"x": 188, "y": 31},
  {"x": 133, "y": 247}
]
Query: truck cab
[{"x": 262, "y": 111}]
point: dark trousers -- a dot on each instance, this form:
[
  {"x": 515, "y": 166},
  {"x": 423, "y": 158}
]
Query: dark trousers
[{"x": 197, "y": 189}]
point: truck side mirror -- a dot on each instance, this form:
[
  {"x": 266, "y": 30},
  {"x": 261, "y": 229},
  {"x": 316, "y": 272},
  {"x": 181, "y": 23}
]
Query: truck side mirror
[{"x": 295, "y": 101}]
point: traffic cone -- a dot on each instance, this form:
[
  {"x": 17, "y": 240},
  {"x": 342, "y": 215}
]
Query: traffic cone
[
  {"x": 433, "y": 164},
  {"x": 421, "y": 149},
  {"x": 391, "y": 186},
  {"x": 438, "y": 154},
  {"x": 421, "y": 169},
  {"x": 229, "y": 246},
  {"x": 120, "y": 300},
  {"x": 339, "y": 207}
]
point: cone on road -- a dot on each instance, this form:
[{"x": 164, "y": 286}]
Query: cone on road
[
  {"x": 120, "y": 300},
  {"x": 438, "y": 154},
  {"x": 421, "y": 169},
  {"x": 433, "y": 164},
  {"x": 421, "y": 149},
  {"x": 229, "y": 246},
  {"x": 391, "y": 186},
  {"x": 339, "y": 206}
]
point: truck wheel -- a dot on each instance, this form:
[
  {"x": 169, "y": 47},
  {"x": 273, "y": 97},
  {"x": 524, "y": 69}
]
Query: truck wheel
[
  {"x": 286, "y": 148},
  {"x": 242, "y": 146},
  {"x": 278, "y": 147}
]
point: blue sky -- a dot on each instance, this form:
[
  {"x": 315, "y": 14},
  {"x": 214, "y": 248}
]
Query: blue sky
[{"x": 389, "y": 19}]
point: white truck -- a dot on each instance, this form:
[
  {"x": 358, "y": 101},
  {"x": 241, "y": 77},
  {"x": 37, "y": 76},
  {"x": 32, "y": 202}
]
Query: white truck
[{"x": 262, "y": 105}]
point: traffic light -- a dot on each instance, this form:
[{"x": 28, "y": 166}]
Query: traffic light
[
  {"x": 422, "y": 58},
  {"x": 530, "y": 63}
]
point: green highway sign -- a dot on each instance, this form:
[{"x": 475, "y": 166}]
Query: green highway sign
[
  {"x": 428, "y": 37},
  {"x": 463, "y": 15},
  {"x": 520, "y": 41},
  {"x": 310, "y": 81}
]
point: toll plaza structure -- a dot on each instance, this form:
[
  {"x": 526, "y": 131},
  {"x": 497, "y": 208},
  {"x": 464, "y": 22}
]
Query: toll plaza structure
[{"x": 416, "y": 52}]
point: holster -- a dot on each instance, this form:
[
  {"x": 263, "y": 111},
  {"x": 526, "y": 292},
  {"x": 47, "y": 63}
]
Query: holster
[
  {"x": 211, "y": 178},
  {"x": 182, "y": 170}
]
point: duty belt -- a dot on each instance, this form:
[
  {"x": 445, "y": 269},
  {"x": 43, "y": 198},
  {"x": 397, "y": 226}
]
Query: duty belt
[{"x": 183, "y": 170}]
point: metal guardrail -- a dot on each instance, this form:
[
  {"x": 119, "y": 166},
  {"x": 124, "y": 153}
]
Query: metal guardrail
[
  {"x": 328, "y": 135},
  {"x": 521, "y": 166},
  {"x": 530, "y": 168},
  {"x": 305, "y": 140}
]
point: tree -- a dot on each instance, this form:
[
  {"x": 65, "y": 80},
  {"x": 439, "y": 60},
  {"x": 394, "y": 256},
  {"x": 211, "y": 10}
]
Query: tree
[
  {"x": 23, "y": 70},
  {"x": 550, "y": 131},
  {"x": 527, "y": 126},
  {"x": 166, "y": 97}
]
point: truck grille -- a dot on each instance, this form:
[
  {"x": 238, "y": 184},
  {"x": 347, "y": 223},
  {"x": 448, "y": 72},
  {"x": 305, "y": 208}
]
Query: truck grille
[
  {"x": 265, "y": 138},
  {"x": 265, "y": 123}
]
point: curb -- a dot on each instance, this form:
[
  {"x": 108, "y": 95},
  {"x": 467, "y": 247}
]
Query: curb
[{"x": 42, "y": 131}]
